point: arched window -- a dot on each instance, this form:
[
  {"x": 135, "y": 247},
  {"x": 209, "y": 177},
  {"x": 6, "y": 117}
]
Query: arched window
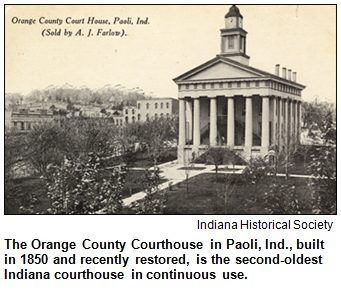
[
  {"x": 161, "y": 105},
  {"x": 155, "y": 115},
  {"x": 155, "y": 105},
  {"x": 133, "y": 111},
  {"x": 127, "y": 119},
  {"x": 147, "y": 106},
  {"x": 161, "y": 115},
  {"x": 133, "y": 119},
  {"x": 167, "y": 105},
  {"x": 127, "y": 111},
  {"x": 139, "y": 106},
  {"x": 138, "y": 117}
]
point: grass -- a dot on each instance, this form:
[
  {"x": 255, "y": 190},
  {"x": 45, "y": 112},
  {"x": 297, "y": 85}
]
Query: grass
[
  {"x": 192, "y": 168},
  {"x": 205, "y": 195}
]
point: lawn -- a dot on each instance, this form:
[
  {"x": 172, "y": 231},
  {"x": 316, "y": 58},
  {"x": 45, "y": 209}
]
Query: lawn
[{"x": 206, "y": 196}]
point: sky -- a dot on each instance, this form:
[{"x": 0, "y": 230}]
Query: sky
[{"x": 175, "y": 40}]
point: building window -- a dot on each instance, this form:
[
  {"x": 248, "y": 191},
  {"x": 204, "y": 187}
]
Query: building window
[
  {"x": 195, "y": 86},
  {"x": 22, "y": 126},
  {"x": 161, "y": 105},
  {"x": 230, "y": 85},
  {"x": 167, "y": 115},
  {"x": 204, "y": 86},
  {"x": 238, "y": 84},
  {"x": 139, "y": 117},
  {"x": 139, "y": 106},
  {"x": 230, "y": 42},
  {"x": 28, "y": 126},
  {"x": 155, "y": 115},
  {"x": 167, "y": 105},
  {"x": 133, "y": 111},
  {"x": 133, "y": 119},
  {"x": 147, "y": 106},
  {"x": 247, "y": 84},
  {"x": 155, "y": 105},
  {"x": 161, "y": 115},
  {"x": 127, "y": 119},
  {"x": 127, "y": 112},
  {"x": 121, "y": 121},
  {"x": 257, "y": 83},
  {"x": 220, "y": 85},
  {"x": 212, "y": 86},
  {"x": 266, "y": 83},
  {"x": 187, "y": 87}
]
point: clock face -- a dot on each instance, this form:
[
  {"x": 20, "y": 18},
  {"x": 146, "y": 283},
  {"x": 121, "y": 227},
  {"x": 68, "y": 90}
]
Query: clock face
[{"x": 231, "y": 22}]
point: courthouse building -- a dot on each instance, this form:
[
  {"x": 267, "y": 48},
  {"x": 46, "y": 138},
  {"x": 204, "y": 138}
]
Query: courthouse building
[{"x": 226, "y": 102}]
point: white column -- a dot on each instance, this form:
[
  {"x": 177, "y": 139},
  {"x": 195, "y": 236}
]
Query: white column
[
  {"x": 280, "y": 122},
  {"x": 294, "y": 120},
  {"x": 248, "y": 127},
  {"x": 298, "y": 122},
  {"x": 196, "y": 123},
  {"x": 274, "y": 121},
  {"x": 213, "y": 122},
  {"x": 285, "y": 122},
  {"x": 230, "y": 122},
  {"x": 265, "y": 125},
  {"x": 182, "y": 123},
  {"x": 291, "y": 122},
  {"x": 189, "y": 120}
]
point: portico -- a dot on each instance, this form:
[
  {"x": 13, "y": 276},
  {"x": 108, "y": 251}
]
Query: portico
[{"x": 226, "y": 102}]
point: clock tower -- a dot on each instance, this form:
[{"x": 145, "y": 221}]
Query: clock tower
[{"x": 233, "y": 37}]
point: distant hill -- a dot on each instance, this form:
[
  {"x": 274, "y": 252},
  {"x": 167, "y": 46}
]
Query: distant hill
[{"x": 108, "y": 96}]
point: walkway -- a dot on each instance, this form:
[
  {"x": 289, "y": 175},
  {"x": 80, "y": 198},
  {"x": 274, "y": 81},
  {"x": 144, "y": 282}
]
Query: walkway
[{"x": 174, "y": 174}]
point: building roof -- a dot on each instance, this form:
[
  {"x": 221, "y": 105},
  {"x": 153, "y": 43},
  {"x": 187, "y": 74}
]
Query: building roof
[
  {"x": 223, "y": 59},
  {"x": 233, "y": 12}
]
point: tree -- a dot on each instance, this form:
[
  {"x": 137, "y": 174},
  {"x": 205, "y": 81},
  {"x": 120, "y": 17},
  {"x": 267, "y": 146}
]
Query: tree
[
  {"x": 42, "y": 147},
  {"x": 220, "y": 155},
  {"x": 256, "y": 171},
  {"x": 154, "y": 201},
  {"x": 314, "y": 115},
  {"x": 324, "y": 171},
  {"x": 14, "y": 150},
  {"x": 77, "y": 189},
  {"x": 158, "y": 135}
]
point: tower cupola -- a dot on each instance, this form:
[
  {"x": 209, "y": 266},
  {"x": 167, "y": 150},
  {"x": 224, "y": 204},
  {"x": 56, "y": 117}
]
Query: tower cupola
[
  {"x": 233, "y": 37},
  {"x": 233, "y": 18}
]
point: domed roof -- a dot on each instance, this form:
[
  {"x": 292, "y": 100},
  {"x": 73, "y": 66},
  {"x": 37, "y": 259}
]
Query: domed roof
[{"x": 234, "y": 11}]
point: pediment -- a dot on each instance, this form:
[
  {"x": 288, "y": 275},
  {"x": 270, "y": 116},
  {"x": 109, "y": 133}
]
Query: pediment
[{"x": 219, "y": 69}]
